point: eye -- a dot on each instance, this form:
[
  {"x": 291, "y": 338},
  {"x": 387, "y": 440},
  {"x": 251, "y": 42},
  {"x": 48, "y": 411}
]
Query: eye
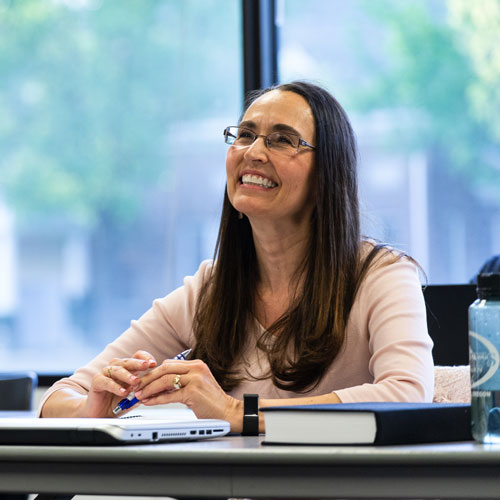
[
  {"x": 245, "y": 135},
  {"x": 282, "y": 140}
]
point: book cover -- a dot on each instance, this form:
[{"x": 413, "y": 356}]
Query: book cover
[{"x": 368, "y": 423}]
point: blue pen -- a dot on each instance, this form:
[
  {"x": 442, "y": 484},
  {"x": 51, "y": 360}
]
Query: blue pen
[{"x": 131, "y": 400}]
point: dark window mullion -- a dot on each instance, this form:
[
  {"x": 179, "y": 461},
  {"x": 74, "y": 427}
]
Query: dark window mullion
[{"x": 260, "y": 44}]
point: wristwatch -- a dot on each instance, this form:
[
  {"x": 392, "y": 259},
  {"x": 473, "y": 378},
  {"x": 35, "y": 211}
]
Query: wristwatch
[{"x": 250, "y": 415}]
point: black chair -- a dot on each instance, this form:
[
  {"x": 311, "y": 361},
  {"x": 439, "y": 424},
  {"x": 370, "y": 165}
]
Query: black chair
[
  {"x": 448, "y": 322},
  {"x": 16, "y": 390},
  {"x": 16, "y": 394}
]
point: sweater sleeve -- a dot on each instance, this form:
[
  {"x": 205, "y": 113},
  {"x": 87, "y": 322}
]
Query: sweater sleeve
[
  {"x": 390, "y": 310},
  {"x": 163, "y": 331}
]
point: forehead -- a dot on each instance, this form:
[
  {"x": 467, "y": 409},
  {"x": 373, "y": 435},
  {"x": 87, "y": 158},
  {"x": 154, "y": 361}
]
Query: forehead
[{"x": 284, "y": 107}]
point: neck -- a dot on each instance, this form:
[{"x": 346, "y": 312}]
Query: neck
[{"x": 279, "y": 254}]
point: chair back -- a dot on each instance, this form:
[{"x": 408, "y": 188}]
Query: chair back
[
  {"x": 16, "y": 390},
  {"x": 448, "y": 321}
]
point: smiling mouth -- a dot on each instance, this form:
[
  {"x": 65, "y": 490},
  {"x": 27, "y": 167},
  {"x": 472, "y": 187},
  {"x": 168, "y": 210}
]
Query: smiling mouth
[{"x": 257, "y": 180}]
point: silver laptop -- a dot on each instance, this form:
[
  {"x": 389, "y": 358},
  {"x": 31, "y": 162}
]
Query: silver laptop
[{"x": 106, "y": 431}]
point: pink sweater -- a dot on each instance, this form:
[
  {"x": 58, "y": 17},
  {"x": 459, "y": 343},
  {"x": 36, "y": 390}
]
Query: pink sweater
[{"x": 386, "y": 355}]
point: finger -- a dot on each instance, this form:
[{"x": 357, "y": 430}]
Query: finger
[
  {"x": 163, "y": 398},
  {"x": 164, "y": 384},
  {"x": 171, "y": 368},
  {"x": 133, "y": 364},
  {"x": 146, "y": 356},
  {"x": 104, "y": 382},
  {"x": 176, "y": 362},
  {"x": 120, "y": 375}
]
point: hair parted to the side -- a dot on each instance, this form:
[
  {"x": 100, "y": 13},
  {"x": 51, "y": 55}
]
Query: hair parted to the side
[{"x": 306, "y": 339}]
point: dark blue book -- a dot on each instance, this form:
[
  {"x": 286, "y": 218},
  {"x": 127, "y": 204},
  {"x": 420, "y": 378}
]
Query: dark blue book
[{"x": 368, "y": 423}]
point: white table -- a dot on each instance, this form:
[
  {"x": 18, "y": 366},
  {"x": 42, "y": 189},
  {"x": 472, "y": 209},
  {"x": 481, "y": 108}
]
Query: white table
[{"x": 236, "y": 466}]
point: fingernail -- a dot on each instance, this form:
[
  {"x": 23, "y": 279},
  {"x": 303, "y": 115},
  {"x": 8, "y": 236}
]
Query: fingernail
[
  {"x": 138, "y": 393},
  {"x": 122, "y": 390},
  {"x": 133, "y": 378},
  {"x": 152, "y": 362}
]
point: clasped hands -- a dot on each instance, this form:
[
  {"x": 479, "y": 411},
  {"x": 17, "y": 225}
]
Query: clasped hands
[{"x": 189, "y": 382}]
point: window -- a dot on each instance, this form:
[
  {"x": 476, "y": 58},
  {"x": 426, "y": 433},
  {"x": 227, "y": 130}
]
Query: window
[
  {"x": 112, "y": 164},
  {"x": 420, "y": 81},
  {"x": 112, "y": 159}
]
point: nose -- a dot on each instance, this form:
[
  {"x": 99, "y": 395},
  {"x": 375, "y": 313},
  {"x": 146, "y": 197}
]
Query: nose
[{"x": 257, "y": 150}]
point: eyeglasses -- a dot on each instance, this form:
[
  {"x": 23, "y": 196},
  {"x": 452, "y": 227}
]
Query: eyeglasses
[{"x": 283, "y": 142}]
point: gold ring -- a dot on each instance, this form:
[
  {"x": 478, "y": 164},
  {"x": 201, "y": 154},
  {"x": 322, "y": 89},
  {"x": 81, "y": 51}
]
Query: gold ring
[
  {"x": 109, "y": 372},
  {"x": 177, "y": 382}
]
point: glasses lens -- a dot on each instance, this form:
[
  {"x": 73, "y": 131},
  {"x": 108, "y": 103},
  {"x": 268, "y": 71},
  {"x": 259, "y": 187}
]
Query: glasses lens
[
  {"x": 239, "y": 136},
  {"x": 283, "y": 142},
  {"x": 278, "y": 141},
  {"x": 230, "y": 134},
  {"x": 244, "y": 137}
]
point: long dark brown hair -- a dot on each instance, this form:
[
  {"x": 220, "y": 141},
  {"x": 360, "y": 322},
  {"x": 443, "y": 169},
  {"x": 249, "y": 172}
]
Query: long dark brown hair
[{"x": 305, "y": 340}]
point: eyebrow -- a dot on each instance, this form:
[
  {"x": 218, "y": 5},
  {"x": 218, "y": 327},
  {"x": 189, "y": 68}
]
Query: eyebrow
[{"x": 277, "y": 127}]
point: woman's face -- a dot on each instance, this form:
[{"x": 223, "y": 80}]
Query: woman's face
[{"x": 266, "y": 184}]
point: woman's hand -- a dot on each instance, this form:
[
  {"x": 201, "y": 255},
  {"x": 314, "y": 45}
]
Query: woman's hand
[
  {"x": 190, "y": 383},
  {"x": 114, "y": 382}
]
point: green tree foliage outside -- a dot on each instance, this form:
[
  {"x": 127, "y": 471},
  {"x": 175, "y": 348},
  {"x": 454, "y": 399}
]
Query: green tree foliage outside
[
  {"x": 442, "y": 65},
  {"x": 88, "y": 91}
]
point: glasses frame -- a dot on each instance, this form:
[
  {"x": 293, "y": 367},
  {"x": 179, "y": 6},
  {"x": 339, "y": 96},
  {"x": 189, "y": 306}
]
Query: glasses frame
[{"x": 228, "y": 136}]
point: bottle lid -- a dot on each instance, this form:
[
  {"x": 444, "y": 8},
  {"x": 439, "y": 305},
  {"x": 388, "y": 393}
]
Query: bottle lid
[{"x": 488, "y": 285}]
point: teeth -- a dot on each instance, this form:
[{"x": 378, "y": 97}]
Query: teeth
[{"x": 257, "y": 180}]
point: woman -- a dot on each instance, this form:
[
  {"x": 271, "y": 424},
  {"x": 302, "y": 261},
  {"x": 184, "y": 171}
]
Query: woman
[{"x": 297, "y": 306}]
